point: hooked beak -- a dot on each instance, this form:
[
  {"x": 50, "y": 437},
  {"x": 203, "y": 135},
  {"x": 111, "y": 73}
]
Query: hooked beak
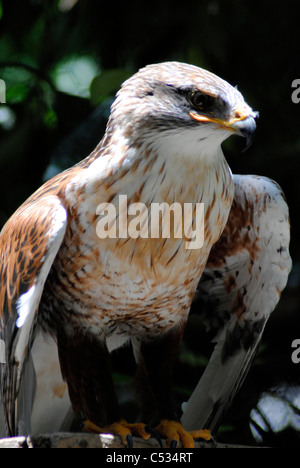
[
  {"x": 245, "y": 128},
  {"x": 242, "y": 124}
]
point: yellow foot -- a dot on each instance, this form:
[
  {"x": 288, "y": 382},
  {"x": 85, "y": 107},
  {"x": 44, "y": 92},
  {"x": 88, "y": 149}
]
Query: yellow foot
[
  {"x": 173, "y": 431},
  {"x": 122, "y": 428}
]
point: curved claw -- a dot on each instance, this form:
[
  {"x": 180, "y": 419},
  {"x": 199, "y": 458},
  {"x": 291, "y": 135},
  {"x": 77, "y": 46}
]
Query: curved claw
[
  {"x": 129, "y": 441},
  {"x": 154, "y": 434},
  {"x": 174, "y": 432}
]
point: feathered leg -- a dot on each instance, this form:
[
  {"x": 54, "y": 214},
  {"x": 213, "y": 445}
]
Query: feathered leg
[
  {"x": 85, "y": 365},
  {"x": 156, "y": 361}
]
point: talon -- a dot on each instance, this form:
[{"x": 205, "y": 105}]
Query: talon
[
  {"x": 174, "y": 432},
  {"x": 154, "y": 434},
  {"x": 129, "y": 441}
]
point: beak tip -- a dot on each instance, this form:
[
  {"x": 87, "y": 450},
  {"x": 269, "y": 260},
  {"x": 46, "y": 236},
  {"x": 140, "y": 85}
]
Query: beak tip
[
  {"x": 246, "y": 128},
  {"x": 249, "y": 141}
]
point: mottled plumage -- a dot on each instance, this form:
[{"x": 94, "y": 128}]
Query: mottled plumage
[
  {"x": 240, "y": 287},
  {"x": 90, "y": 295}
]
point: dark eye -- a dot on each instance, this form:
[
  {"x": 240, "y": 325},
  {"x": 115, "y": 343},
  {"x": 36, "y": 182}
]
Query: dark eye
[{"x": 201, "y": 101}]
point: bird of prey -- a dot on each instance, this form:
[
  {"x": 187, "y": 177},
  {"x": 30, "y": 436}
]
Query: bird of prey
[{"x": 67, "y": 289}]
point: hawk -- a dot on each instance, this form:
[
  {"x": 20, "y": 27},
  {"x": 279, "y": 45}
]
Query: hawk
[{"x": 71, "y": 296}]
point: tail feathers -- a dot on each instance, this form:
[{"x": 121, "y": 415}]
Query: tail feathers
[
  {"x": 217, "y": 387},
  {"x": 3, "y": 431},
  {"x": 25, "y": 400},
  {"x": 43, "y": 403}
]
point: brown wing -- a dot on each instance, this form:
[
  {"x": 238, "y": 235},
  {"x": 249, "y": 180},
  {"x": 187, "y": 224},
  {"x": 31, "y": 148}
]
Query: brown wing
[
  {"x": 245, "y": 274},
  {"x": 29, "y": 243}
]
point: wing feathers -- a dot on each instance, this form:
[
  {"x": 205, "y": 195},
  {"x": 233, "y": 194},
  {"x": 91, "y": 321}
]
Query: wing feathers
[
  {"x": 29, "y": 243},
  {"x": 246, "y": 272}
]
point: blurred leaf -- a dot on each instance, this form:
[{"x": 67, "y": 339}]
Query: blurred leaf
[
  {"x": 107, "y": 84},
  {"x": 19, "y": 81},
  {"x": 17, "y": 93},
  {"x": 7, "y": 118},
  {"x": 50, "y": 119},
  {"x": 74, "y": 75},
  {"x": 33, "y": 41},
  {"x": 66, "y": 5}
]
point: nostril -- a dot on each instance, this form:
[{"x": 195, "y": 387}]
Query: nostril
[{"x": 237, "y": 115}]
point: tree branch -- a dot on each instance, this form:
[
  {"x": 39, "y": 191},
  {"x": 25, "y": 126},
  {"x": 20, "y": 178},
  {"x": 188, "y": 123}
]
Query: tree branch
[{"x": 82, "y": 440}]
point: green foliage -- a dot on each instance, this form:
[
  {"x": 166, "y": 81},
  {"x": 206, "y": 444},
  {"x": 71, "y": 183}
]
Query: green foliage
[
  {"x": 73, "y": 75},
  {"x": 18, "y": 84}
]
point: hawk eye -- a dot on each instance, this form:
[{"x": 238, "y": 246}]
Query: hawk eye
[{"x": 201, "y": 101}]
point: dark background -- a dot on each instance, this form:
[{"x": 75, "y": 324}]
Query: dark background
[{"x": 254, "y": 45}]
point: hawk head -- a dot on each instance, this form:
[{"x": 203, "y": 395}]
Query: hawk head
[{"x": 172, "y": 97}]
